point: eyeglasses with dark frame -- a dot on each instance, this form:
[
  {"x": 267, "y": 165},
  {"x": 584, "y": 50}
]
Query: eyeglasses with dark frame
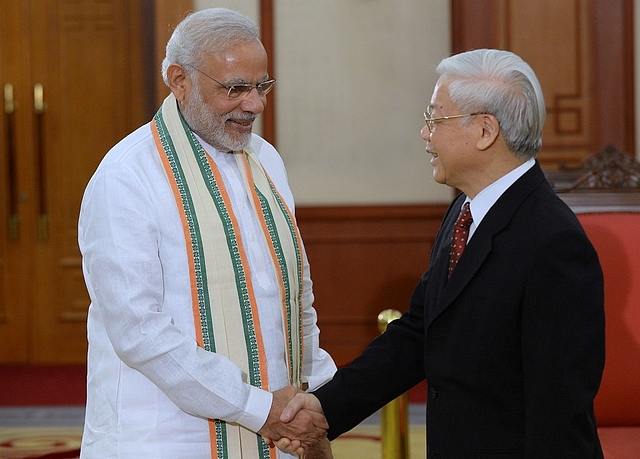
[
  {"x": 431, "y": 122},
  {"x": 236, "y": 91}
]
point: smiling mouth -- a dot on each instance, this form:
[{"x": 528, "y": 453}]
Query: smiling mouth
[{"x": 242, "y": 122}]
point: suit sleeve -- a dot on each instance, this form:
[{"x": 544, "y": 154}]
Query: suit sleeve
[
  {"x": 563, "y": 347},
  {"x": 389, "y": 366}
]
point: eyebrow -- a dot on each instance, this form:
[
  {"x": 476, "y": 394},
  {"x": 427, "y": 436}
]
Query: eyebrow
[{"x": 239, "y": 81}]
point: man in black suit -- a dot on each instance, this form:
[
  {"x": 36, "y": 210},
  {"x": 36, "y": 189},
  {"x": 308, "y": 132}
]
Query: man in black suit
[{"x": 511, "y": 342}]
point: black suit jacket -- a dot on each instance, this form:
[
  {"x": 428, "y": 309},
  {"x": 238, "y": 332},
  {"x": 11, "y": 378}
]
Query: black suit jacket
[{"x": 512, "y": 345}]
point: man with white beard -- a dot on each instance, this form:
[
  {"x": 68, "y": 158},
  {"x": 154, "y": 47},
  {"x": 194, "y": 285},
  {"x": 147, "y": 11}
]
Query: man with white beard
[{"x": 201, "y": 325}]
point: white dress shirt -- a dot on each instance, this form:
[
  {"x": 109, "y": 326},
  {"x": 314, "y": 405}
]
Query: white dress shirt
[
  {"x": 484, "y": 200},
  {"x": 150, "y": 387}
]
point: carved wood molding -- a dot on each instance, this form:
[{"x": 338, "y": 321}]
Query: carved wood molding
[
  {"x": 608, "y": 181},
  {"x": 610, "y": 169}
]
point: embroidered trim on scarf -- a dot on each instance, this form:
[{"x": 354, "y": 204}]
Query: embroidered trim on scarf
[{"x": 223, "y": 301}]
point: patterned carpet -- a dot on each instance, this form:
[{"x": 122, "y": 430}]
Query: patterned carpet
[
  {"x": 40, "y": 442},
  {"x": 44, "y": 421},
  {"x": 64, "y": 443},
  {"x": 363, "y": 442},
  {"x": 55, "y": 433}
]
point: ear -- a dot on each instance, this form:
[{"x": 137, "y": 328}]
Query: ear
[
  {"x": 178, "y": 80},
  {"x": 490, "y": 131}
]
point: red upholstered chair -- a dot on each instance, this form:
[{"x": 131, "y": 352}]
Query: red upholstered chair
[
  {"x": 606, "y": 197},
  {"x": 616, "y": 237}
]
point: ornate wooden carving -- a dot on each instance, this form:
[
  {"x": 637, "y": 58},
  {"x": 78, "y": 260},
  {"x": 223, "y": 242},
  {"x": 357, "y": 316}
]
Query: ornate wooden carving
[
  {"x": 610, "y": 169},
  {"x": 607, "y": 181}
]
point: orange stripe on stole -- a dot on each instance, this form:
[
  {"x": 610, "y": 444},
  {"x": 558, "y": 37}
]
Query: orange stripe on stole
[
  {"x": 252, "y": 297},
  {"x": 192, "y": 272},
  {"x": 274, "y": 257}
]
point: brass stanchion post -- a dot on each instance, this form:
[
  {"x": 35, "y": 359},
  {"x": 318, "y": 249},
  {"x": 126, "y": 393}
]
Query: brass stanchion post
[{"x": 394, "y": 416}]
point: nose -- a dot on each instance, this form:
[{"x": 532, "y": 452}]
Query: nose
[
  {"x": 253, "y": 102},
  {"x": 425, "y": 133}
]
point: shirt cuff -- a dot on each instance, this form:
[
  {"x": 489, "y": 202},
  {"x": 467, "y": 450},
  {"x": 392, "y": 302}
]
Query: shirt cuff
[{"x": 256, "y": 410}]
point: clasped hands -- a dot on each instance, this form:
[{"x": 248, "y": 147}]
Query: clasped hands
[{"x": 296, "y": 423}]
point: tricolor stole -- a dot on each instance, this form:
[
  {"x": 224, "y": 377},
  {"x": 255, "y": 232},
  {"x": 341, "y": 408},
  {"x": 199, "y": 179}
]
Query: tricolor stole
[{"x": 223, "y": 300}]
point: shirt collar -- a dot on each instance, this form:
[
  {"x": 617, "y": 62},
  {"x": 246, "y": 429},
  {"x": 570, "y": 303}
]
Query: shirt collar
[{"x": 481, "y": 204}]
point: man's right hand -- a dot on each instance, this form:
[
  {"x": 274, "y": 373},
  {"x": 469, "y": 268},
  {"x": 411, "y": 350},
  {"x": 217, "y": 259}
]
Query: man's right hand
[
  {"x": 299, "y": 406},
  {"x": 301, "y": 401},
  {"x": 304, "y": 427}
]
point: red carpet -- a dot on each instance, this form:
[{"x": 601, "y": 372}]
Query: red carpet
[{"x": 42, "y": 385}]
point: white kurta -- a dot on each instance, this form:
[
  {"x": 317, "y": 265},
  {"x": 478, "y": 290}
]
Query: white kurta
[{"x": 150, "y": 387}]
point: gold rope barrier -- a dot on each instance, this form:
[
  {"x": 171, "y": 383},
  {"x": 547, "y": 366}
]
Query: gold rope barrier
[{"x": 394, "y": 416}]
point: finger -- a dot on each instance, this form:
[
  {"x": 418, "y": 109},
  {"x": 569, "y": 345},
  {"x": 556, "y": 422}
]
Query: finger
[
  {"x": 318, "y": 419},
  {"x": 293, "y": 407},
  {"x": 284, "y": 443},
  {"x": 297, "y": 403},
  {"x": 290, "y": 446},
  {"x": 296, "y": 445}
]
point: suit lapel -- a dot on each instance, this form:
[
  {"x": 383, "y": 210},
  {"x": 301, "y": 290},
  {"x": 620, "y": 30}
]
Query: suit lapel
[{"x": 480, "y": 245}]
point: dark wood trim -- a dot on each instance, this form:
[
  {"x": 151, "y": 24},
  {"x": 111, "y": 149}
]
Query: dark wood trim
[
  {"x": 611, "y": 24},
  {"x": 475, "y": 22},
  {"x": 267, "y": 26},
  {"x": 364, "y": 259},
  {"x": 144, "y": 33},
  {"x": 167, "y": 15},
  {"x": 370, "y": 212}
]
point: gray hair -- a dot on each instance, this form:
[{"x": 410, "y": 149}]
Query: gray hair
[
  {"x": 210, "y": 30},
  {"x": 502, "y": 84}
]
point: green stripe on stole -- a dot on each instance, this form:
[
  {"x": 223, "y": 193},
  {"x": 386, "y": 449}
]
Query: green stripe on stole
[
  {"x": 284, "y": 271},
  {"x": 190, "y": 169},
  {"x": 194, "y": 230},
  {"x": 203, "y": 298}
]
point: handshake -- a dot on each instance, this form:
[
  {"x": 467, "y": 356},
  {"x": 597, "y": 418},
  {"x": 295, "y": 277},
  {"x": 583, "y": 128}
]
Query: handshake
[{"x": 296, "y": 424}]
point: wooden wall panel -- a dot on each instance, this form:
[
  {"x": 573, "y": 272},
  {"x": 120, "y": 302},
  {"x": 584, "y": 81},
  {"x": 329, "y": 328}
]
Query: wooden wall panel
[
  {"x": 582, "y": 52},
  {"x": 364, "y": 260},
  {"x": 162, "y": 17},
  {"x": 559, "y": 53},
  {"x": 612, "y": 53}
]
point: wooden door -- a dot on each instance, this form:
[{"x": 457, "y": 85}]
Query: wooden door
[
  {"x": 77, "y": 71},
  {"x": 14, "y": 188},
  {"x": 582, "y": 52}
]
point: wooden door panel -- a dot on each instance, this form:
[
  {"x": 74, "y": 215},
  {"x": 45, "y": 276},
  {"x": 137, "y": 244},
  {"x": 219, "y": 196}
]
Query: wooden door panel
[
  {"x": 582, "y": 52},
  {"x": 559, "y": 53},
  {"x": 87, "y": 111},
  {"x": 95, "y": 62},
  {"x": 15, "y": 186}
]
